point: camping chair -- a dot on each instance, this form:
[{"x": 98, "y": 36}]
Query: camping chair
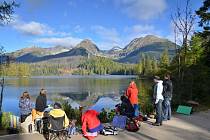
[{"x": 57, "y": 129}]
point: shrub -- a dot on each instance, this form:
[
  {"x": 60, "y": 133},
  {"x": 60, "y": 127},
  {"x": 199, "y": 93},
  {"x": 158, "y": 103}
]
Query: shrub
[
  {"x": 71, "y": 112},
  {"x": 5, "y": 120}
]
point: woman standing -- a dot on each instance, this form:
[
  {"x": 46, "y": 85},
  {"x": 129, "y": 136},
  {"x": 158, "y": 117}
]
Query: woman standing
[
  {"x": 25, "y": 106},
  {"x": 41, "y": 104},
  {"x": 132, "y": 95}
]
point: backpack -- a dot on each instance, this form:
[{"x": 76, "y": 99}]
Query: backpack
[
  {"x": 131, "y": 125},
  {"x": 119, "y": 121}
]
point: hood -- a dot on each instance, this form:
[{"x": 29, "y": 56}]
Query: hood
[
  {"x": 132, "y": 85},
  {"x": 160, "y": 82}
]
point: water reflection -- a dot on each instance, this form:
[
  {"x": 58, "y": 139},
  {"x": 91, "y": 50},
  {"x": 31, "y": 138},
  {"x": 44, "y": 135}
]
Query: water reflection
[{"x": 84, "y": 90}]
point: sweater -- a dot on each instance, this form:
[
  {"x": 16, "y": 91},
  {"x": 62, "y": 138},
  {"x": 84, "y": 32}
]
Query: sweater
[
  {"x": 132, "y": 94},
  {"x": 158, "y": 89},
  {"x": 90, "y": 121},
  {"x": 41, "y": 103}
]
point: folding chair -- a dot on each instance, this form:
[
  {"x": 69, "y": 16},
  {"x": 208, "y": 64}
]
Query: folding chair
[{"x": 57, "y": 129}]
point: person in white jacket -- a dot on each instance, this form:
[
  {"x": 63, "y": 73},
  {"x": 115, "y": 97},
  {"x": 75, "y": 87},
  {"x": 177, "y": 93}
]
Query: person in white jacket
[{"x": 158, "y": 99}]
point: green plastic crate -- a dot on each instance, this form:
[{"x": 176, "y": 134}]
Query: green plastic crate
[{"x": 184, "y": 110}]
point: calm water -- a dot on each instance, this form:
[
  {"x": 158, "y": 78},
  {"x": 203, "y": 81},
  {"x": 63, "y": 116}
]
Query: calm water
[{"x": 94, "y": 91}]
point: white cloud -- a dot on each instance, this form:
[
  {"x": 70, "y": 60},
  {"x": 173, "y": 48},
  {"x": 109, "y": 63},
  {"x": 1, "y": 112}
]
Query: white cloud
[
  {"x": 106, "y": 34},
  {"x": 111, "y": 37},
  {"x": 32, "y": 28},
  {"x": 139, "y": 30},
  {"x": 142, "y": 9},
  {"x": 63, "y": 41}
]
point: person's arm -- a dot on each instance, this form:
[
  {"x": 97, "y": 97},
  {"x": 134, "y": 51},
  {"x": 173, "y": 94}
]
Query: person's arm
[
  {"x": 127, "y": 94},
  {"x": 66, "y": 121},
  {"x": 20, "y": 103},
  {"x": 45, "y": 102},
  {"x": 84, "y": 127}
]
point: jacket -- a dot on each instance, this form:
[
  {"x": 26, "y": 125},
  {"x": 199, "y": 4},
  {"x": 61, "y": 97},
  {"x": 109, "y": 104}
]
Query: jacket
[
  {"x": 90, "y": 120},
  {"x": 158, "y": 89},
  {"x": 60, "y": 113},
  {"x": 126, "y": 108},
  {"x": 41, "y": 103},
  {"x": 132, "y": 93},
  {"x": 25, "y": 106},
  {"x": 167, "y": 89}
]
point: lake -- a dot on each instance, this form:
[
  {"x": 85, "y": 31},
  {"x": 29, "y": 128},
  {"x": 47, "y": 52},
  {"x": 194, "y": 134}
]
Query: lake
[{"x": 94, "y": 91}]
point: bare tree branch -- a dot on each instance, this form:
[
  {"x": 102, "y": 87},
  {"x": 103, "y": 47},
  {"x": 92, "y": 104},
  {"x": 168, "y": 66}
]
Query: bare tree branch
[{"x": 6, "y": 11}]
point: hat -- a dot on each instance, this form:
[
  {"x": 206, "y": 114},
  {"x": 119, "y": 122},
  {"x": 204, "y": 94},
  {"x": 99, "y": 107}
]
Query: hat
[
  {"x": 156, "y": 77},
  {"x": 57, "y": 105}
]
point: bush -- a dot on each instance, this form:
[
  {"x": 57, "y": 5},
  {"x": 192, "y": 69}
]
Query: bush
[
  {"x": 106, "y": 116},
  {"x": 5, "y": 120},
  {"x": 72, "y": 113}
]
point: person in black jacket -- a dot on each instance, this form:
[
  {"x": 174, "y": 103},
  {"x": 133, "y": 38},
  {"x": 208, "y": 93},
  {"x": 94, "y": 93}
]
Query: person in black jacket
[
  {"x": 126, "y": 108},
  {"x": 41, "y": 104},
  {"x": 167, "y": 94}
]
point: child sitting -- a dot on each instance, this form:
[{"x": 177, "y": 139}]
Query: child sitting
[{"x": 72, "y": 127}]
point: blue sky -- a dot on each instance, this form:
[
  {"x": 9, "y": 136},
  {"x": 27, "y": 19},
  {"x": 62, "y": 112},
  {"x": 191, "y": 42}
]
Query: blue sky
[{"x": 47, "y": 23}]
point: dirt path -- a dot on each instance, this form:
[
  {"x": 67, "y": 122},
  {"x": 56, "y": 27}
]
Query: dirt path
[{"x": 181, "y": 127}]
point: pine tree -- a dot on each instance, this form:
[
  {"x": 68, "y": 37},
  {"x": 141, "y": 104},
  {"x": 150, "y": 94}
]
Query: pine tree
[
  {"x": 164, "y": 60},
  {"x": 204, "y": 13}
]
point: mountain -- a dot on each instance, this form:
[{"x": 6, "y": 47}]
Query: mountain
[
  {"x": 89, "y": 46},
  {"x": 114, "y": 52},
  {"x": 85, "y": 48},
  {"x": 39, "y": 52},
  {"x": 150, "y": 45}
]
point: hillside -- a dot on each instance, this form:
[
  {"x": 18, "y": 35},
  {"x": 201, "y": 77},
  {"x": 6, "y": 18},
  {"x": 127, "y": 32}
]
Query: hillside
[{"x": 150, "y": 45}]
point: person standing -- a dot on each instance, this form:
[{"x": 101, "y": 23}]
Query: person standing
[
  {"x": 132, "y": 94},
  {"x": 41, "y": 104},
  {"x": 25, "y": 106},
  {"x": 158, "y": 99},
  {"x": 167, "y": 94}
]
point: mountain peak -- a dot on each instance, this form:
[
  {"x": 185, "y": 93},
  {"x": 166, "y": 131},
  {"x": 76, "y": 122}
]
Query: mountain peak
[
  {"x": 143, "y": 41},
  {"x": 88, "y": 45}
]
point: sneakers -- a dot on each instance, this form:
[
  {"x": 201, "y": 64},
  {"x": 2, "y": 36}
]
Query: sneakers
[
  {"x": 109, "y": 131},
  {"x": 157, "y": 124}
]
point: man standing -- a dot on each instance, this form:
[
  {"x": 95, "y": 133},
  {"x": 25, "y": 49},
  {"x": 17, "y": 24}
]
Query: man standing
[
  {"x": 158, "y": 99},
  {"x": 167, "y": 94}
]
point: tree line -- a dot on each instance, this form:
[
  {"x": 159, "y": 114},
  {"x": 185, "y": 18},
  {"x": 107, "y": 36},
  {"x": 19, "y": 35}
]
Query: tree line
[{"x": 103, "y": 66}]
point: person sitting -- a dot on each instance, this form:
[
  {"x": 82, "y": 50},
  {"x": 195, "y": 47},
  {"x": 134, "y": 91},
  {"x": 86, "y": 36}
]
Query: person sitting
[
  {"x": 41, "y": 104},
  {"x": 58, "y": 112},
  {"x": 91, "y": 121},
  {"x": 126, "y": 108},
  {"x": 25, "y": 106}
]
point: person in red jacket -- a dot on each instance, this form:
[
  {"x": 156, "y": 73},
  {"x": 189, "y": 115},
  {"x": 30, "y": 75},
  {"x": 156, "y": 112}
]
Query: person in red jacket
[
  {"x": 91, "y": 125},
  {"x": 132, "y": 94}
]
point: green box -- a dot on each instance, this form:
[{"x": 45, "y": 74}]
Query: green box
[{"x": 184, "y": 110}]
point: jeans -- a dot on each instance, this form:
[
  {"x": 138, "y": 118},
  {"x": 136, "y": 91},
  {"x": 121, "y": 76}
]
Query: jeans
[
  {"x": 167, "y": 109},
  {"x": 158, "y": 108},
  {"x": 136, "y": 110}
]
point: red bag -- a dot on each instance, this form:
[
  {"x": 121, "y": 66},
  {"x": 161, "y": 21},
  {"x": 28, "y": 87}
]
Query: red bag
[{"x": 131, "y": 125}]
